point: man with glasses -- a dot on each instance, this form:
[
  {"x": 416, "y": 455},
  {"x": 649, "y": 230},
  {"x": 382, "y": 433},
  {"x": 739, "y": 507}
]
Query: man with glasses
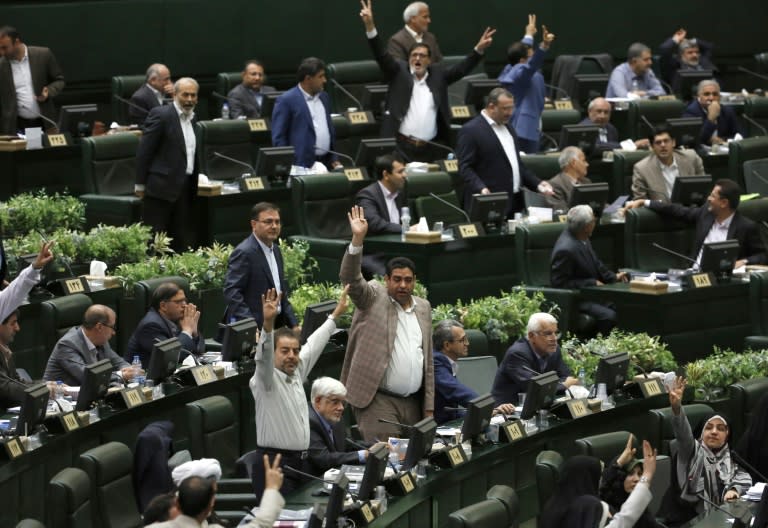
[
  {"x": 86, "y": 344},
  {"x": 719, "y": 122},
  {"x": 536, "y": 353},
  {"x": 170, "y": 315},
  {"x": 255, "y": 266}
]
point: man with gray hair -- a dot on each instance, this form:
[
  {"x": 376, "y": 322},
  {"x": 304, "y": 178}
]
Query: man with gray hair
[
  {"x": 681, "y": 52},
  {"x": 573, "y": 172},
  {"x": 417, "y": 20},
  {"x": 538, "y": 352},
  {"x": 634, "y": 78},
  {"x": 157, "y": 91},
  {"x": 719, "y": 123},
  {"x": 575, "y": 264}
]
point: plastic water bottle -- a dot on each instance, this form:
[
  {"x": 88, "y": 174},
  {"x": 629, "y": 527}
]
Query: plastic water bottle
[
  {"x": 582, "y": 377},
  {"x": 59, "y": 391},
  {"x": 405, "y": 221},
  {"x": 225, "y": 111},
  {"x": 136, "y": 364}
]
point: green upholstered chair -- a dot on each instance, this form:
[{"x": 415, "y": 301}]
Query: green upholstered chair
[
  {"x": 489, "y": 512},
  {"x": 417, "y": 189},
  {"x": 353, "y": 76},
  {"x": 642, "y": 228},
  {"x": 478, "y": 342},
  {"x": 230, "y": 138},
  {"x": 604, "y": 446},
  {"x": 124, "y": 86},
  {"x": 110, "y": 468},
  {"x": 225, "y": 81},
  {"x": 745, "y": 150},
  {"x": 757, "y": 109},
  {"x": 544, "y": 166},
  {"x": 623, "y": 164},
  {"x": 552, "y": 121},
  {"x": 758, "y": 302},
  {"x": 477, "y": 372},
  {"x": 659, "y": 430},
  {"x": 108, "y": 168},
  {"x": 508, "y": 497},
  {"x": 69, "y": 496},
  {"x": 548, "y": 465},
  {"x": 31, "y": 523},
  {"x": 656, "y": 112},
  {"x": 57, "y": 316},
  {"x": 744, "y": 398},
  {"x": 143, "y": 290},
  {"x": 214, "y": 431},
  {"x": 756, "y": 176}
]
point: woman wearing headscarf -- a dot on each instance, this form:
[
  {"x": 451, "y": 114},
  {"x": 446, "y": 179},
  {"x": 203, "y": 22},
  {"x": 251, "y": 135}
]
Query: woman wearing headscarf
[{"x": 753, "y": 445}]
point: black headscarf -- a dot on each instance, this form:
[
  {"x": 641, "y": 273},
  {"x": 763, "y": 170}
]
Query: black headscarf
[
  {"x": 753, "y": 445},
  {"x": 575, "y": 495}
]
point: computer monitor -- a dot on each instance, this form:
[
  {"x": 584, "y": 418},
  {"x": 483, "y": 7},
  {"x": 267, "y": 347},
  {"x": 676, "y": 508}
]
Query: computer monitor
[
  {"x": 583, "y": 136},
  {"x": 372, "y": 148},
  {"x": 268, "y": 103},
  {"x": 421, "y": 437},
  {"x": 594, "y": 195},
  {"x": 314, "y": 316},
  {"x": 33, "y": 408},
  {"x": 589, "y": 86},
  {"x": 164, "y": 359},
  {"x": 688, "y": 82},
  {"x": 541, "y": 393},
  {"x": 275, "y": 163},
  {"x": 489, "y": 209},
  {"x": 239, "y": 339},
  {"x": 375, "y": 99},
  {"x": 685, "y": 131},
  {"x": 375, "y": 466},
  {"x": 95, "y": 384},
  {"x": 77, "y": 119},
  {"x": 719, "y": 258},
  {"x": 691, "y": 190},
  {"x": 478, "y": 417},
  {"x": 335, "y": 505},
  {"x": 476, "y": 93},
  {"x": 612, "y": 370}
]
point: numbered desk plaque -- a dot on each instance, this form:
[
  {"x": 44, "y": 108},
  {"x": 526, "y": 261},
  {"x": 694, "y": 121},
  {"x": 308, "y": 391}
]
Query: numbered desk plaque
[
  {"x": 461, "y": 112},
  {"x": 355, "y": 173},
  {"x": 449, "y": 457},
  {"x": 360, "y": 118},
  {"x": 400, "y": 485},
  {"x": 449, "y": 165},
  {"x": 700, "y": 280},
  {"x": 512, "y": 431},
  {"x": 258, "y": 125},
  {"x": 132, "y": 397},
  {"x": 203, "y": 374},
  {"x": 56, "y": 140},
  {"x": 651, "y": 387},
  {"x": 472, "y": 230},
  {"x": 13, "y": 447},
  {"x": 74, "y": 285},
  {"x": 251, "y": 183},
  {"x": 69, "y": 421},
  {"x": 563, "y": 104}
]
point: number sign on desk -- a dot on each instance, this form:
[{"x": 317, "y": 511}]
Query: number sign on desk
[
  {"x": 470, "y": 230},
  {"x": 74, "y": 285},
  {"x": 69, "y": 421},
  {"x": 14, "y": 448},
  {"x": 449, "y": 457},
  {"x": 251, "y": 183},
  {"x": 563, "y": 104},
  {"x": 651, "y": 387},
  {"x": 400, "y": 485},
  {"x": 460, "y": 111},
  {"x": 449, "y": 165},
  {"x": 258, "y": 125},
  {"x": 203, "y": 374},
  {"x": 360, "y": 118},
  {"x": 56, "y": 140},
  {"x": 514, "y": 430},
  {"x": 132, "y": 397},
  {"x": 353, "y": 174}
]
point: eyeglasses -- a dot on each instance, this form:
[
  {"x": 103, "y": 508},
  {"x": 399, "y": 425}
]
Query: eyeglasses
[
  {"x": 111, "y": 327},
  {"x": 549, "y": 333},
  {"x": 464, "y": 340},
  {"x": 269, "y": 222}
]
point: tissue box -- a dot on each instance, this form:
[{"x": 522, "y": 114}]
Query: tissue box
[
  {"x": 209, "y": 189},
  {"x": 430, "y": 237},
  {"x": 656, "y": 288}
]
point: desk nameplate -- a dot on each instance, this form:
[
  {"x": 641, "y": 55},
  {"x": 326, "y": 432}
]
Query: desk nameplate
[
  {"x": 513, "y": 430},
  {"x": 14, "y": 448}
]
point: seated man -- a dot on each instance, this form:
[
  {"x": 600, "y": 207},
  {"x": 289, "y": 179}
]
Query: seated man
[
  {"x": 86, "y": 344},
  {"x": 573, "y": 172},
  {"x": 157, "y": 91},
  {"x": 451, "y": 343},
  {"x": 169, "y": 316},
  {"x": 539, "y": 352},
  {"x": 681, "y": 53},
  {"x": 634, "y": 78},
  {"x": 575, "y": 264},
  {"x": 716, "y": 221},
  {"x": 719, "y": 122},
  {"x": 247, "y": 98},
  {"x": 599, "y": 113},
  {"x": 654, "y": 177}
]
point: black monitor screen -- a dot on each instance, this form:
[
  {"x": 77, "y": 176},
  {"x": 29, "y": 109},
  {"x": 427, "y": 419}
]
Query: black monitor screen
[
  {"x": 375, "y": 466},
  {"x": 540, "y": 394},
  {"x": 239, "y": 338},
  {"x": 375, "y": 99},
  {"x": 164, "y": 359},
  {"x": 685, "y": 130},
  {"x": 95, "y": 383},
  {"x": 691, "y": 190},
  {"x": 612, "y": 370},
  {"x": 589, "y": 86},
  {"x": 583, "y": 136},
  {"x": 33, "y": 408},
  {"x": 314, "y": 316},
  {"x": 478, "y": 417},
  {"x": 421, "y": 437},
  {"x": 688, "y": 82},
  {"x": 489, "y": 209},
  {"x": 477, "y": 92},
  {"x": 594, "y": 195},
  {"x": 275, "y": 163},
  {"x": 268, "y": 103},
  {"x": 77, "y": 119},
  {"x": 719, "y": 258},
  {"x": 370, "y": 149},
  {"x": 336, "y": 500}
]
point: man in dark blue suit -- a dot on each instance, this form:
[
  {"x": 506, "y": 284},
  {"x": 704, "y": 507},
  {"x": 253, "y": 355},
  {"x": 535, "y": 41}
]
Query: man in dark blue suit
[
  {"x": 719, "y": 122},
  {"x": 170, "y": 315},
  {"x": 255, "y": 266},
  {"x": 489, "y": 158},
  {"x": 599, "y": 114},
  {"x": 166, "y": 166},
  {"x": 151, "y": 94},
  {"x": 302, "y": 118}
]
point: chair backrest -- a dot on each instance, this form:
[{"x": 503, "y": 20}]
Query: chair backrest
[
  {"x": 756, "y": 210},
  {"x": 478, "y": 342},
  {"x": 623, "y": 165},
  {"x": 30, "y": 523},
  {"x": 544, "y": 166},
  {"x": 124, "y": 86},
  {"x": 604, "y": 446},
  {"x": 533, "y": 251},
  {"x": 490, "y": 512},
  {"x": 758, "y": 303},
  {"x": 225, "y": 81},
  {"x": 229, "y": 137},
  {"x": 477, "y": 372},
  {"x": 742, "y": 151},
  {"x": 58, "y": 315},
  {"x": 353, "y": 76},
  {"x": 642, "y": 228},
  {"x": 214, "y": 432},
  {"x": 317, "y": 201},
  {"x": 656, "y": 112},
  {"x": 757, "y": 109},
  {"x": 756, "y": 176},
  {"x": 143, "y": 290},
  {"x": 552, "y": 121},
  {"x": 109, "y": 163},
  {"x": 548, "y": 465},
  {"x": 744, "y": 398},
  {"x": 660, "y": 432},
  {"x": 109, "y": 468},
  {"x": 508, "y": 497},
  {"x": 418, "y": 187},
  {"x": 69, "y": 496}
]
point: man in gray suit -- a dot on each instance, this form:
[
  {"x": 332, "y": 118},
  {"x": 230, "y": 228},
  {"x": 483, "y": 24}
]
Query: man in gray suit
[
  {"x": 247, "y": 98},
  {"x": 654, "y": 177},
  {"x": 388, "y": 369},
  {"x": 30, "y": 78},
  {"x": 417, "y": 20},
  {"x": 573, "y": 172}
]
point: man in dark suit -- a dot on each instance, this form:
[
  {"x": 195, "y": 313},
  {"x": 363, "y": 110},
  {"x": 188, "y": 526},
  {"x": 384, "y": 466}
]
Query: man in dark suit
[
  {"x": 575, "y": 264},
  {"x": 418, "y": 111},
  {"x": 538, "y": 352},
  {"x": 573, "y": 172},
  {"x": 247, "y": 98},
  {"x": 489, "y": 160},
  {"x": 681, "y": 53},
  {"x": 417, "y": 20},
  {"x": 716, "y": 221},
  {"x": 302, "y": 118},
  {"x": 170, "y": 315},
  {"x": 719, "y": 123},
  {"x": 153, "y": 93},
  {"x": 30, "y": 78},
  {"x": 599, "y": 113},
  {"x": 166, "y": 166},
  {"x": 255, "y": 266}
]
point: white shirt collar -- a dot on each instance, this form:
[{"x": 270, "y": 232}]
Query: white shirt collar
[
  {"x": 308, "y": 97},
  {"x": 182, "y": 115},
  {"x": 489, "y": 120},
  {"x": 416, "y": 36},
  {"x": 25, "y": 58}
]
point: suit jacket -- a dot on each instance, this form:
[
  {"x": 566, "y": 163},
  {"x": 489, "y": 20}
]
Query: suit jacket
[
  {"x": 648, "y": 181},
  {"x": 612, "y": 135},
  {"x": 152, "y": 328},
  {"x": 11, "y": 386},
  {"x": 248, "y": 278},
  {"x": 161, "y": 162},
  {"x": 292, "y": 126},
  {"x": 726, "y": 125},
  {"x": 45, "y": 73},
  {"x": 145, "y": 99},
  {"x": 575, "y": 264},
  {"x": 526, "y": 83},
  {"x": 669, "y": 60},
  {"x": 243, "y": 103},
  {"x": 372, "y": 200},
  {"x": 70, "y": 357},
  {"x": 325, "y": 454},
  {"x": 151, "y": 474},
  {"x": 372, "y": 337},
  {"x": 400, "y": 43},
  {"x": 398, "y": 76},
  {"x": 483, "y": 162},
  {"x": 743, "y": 229},
  {"x": 449, "y": 391},
  {"x": 563, "y": 187},
  {"x": 512, "y": 378}
]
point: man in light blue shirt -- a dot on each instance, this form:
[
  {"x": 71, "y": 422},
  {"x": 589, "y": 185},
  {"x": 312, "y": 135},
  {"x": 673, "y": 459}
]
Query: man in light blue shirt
[{"x": 634, "y": 78}]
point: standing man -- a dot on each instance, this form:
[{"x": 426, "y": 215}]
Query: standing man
[
  {"x": 247, "y": 98},
  {"x": 166, "y": 166},
  {"x": 489, "y": 157},
  {"x": 30, "y": 78},
  {"x": 418, "y": 111},
  {"x": 573, "y": 172},
  {"x": 155, "y": 92},
  {"x": 719, "y": 122},
  {"x": 255, "y": 266},
  {"x": 302, "y": 119},
  {"x": 522, "y": 78},
  {"x": 599, "y": 113},
  {"x": 634, "y": 78},
  {"x": 388, "y": 369},
  {"x": 417, "y": 20}
]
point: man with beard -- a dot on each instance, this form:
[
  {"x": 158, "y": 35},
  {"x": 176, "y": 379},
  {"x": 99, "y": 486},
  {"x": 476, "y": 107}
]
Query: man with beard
[
  {"x": 719, "y": 122},
  {"x": 247, "y": 98}
]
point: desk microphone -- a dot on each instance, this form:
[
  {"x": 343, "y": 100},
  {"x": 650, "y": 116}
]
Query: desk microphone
[
  {"x": 449, "y": 204},
  {"x": 529, "y": 369},
  {"x": 650, "y": 126},
  {"x": 346, "y": 92},
  {"x": 742, "y": 462},
  {"x": 217, "y": 95},
  {"x": 755, "y": 124},
  {"x": 340, "y": 154},
  {"x": 740, "y": 520},
  {"x": 237, "y": 161},
  {"x": 752, "y": 73},
  {"x": 566, "y": 95},
  {"x": 667, "y": 86},
  {"x": 6, "y": 376},
  {"x": 675, "y": 253},
  {"x": 435, "y": 144},
  {"x": 53, "y": 123},
  {"x": 131, "y": 104},
  {"x": 390, "y": 422}
]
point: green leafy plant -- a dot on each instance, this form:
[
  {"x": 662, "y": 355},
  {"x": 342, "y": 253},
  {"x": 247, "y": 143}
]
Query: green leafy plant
[
  {"x": 312, "y": 293},
  {"x": 711, "y": 376},
  {"x": 27, "y": 212},
  {"x": 298, "y": 265}
]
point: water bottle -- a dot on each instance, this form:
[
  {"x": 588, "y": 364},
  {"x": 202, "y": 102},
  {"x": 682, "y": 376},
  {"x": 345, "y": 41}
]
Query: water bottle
[
  {"x": 136, "y": 364},
  {"x": 225, "y": 111},
  {"x": 635, "y": 85},
  {"x": 405, "y": 221},
  {"x": 582, "y": 377},
  {"x": 59, "y": 391}
]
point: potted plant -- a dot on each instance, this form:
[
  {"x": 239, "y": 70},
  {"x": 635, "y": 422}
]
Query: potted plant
[
  {"x": 38, "y": 212},
  {"x": 711, "y": 376}
]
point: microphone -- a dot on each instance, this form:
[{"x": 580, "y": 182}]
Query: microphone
[
  {"x": 438, "y": 145},
  {"x": 129, "y": 103},
  {"x": 390, "y": 422},
  {"x": 53, "y": 123},
  {"x": 237, "y": 161},
  {"x": 560, "y": 90},
  {"x": 675, "y": 253},
  {"x": 217, "y": 95},
  {"x": 6, "y": 376},
  {"x": 667, "y": 86},
  {"x": 740, "y": 520},
  {"x": 458, "y": 408},
  {"x": 641, "y": 369},
  {"x": 650, "y": 126},
  {"x": 740, "y": 459},
  {"x": 529, "y": 369},
  {"x": 752, "y": 73},
  {"x": 346, "y": 92},
  {"x": 308, "y": 475},
  {"x": 755, "y": 124},
  {"x": 356, "y": 444},
  {"x": 449, "y": 204},
  {"x": 340, "y": 154}
]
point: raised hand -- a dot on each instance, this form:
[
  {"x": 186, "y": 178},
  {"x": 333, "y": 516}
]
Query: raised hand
[
  {"x": 44, "y": 256},
  {"x": 628, "y": 454},
  {"x": 649, "y": 461},
  {"x": 190, "y": 319},
  {"x": 269, "y": 308},
  {"x": 679, "y": 35},
  {"x": 676, "y": 394},
  {"x": 341, "y": 308},
  {"x": 530, "y": 29},
  {"x": 366, "y": 13},
  {"x": 358, "y": 224},
  {"x": 547, "y": 37},
  {"x": 486, "y": 39},
  {"x": 273, "y": 474}
]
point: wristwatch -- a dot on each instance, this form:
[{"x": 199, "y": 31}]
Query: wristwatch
[{"x": 644, "y": 479}]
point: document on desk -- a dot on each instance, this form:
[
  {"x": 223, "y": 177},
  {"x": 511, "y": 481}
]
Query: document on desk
[{"x": 617, "y": 204}]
